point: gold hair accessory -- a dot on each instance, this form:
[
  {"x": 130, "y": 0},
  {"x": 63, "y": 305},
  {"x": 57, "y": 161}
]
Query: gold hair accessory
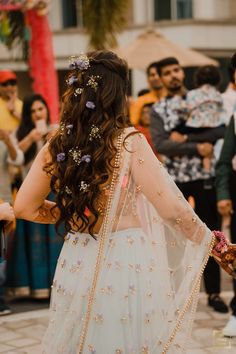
[
  {"x": 75, "y": 153},
  {"x": 94, "y": 133},
  {"x": 93, "y": 81},
  {"x": 68, "y": 191},
  {"x": 78, "y": 91},
  {"x": 84, "y": 186}
]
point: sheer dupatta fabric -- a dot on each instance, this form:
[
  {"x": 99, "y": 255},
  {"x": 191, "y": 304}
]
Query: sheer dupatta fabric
[
  {"x": 135, "y": 289},
  {"x": 174, "y": 248}
]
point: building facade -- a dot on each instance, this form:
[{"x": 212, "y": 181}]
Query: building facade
[{"x": 205, "y": 25}]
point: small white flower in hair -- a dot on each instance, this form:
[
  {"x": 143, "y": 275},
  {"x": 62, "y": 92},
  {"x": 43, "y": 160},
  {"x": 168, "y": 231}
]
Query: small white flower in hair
[{"x": 84, "y": 186}]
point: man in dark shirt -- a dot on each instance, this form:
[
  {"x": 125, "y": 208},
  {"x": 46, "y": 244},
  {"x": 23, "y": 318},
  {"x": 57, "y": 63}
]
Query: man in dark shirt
[
  {"x": 226, "y": 195},
  {"x": 183, "y": 155}
]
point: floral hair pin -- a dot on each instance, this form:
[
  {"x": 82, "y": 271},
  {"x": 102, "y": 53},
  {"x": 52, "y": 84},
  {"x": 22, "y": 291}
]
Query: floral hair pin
[
  {"x": 69, "y": 127},
  {"x": 94, "y": 133},
  {"x": 84, "y": 186},
  {"x": 75, "y": 153},
  {"x": 81, "y": 62},
  {"x": 77, "y": 157},
  {"x": 61, "y": 157},
  {"x": 71, "y": 80},
  {"x": 66, "y": 128},
  {"x": 93, "y": 82},
  {"x": 68, "y": 191},
  {"x": 86, "y": 158},
  {"x": 90, "y": 105},
  {"x": 78, "y": 91},
  {"x": 62, "y": 128}
]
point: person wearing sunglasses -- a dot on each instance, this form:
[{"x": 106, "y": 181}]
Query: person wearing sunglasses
[{"x": 10, "y": 104}]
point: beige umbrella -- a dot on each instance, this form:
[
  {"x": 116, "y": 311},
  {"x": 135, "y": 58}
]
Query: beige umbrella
[{"x": 152, "y": 46}]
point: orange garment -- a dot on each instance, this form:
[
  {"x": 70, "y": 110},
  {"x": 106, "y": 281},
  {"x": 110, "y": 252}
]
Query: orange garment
[
  {"x": 136, "y": 106},
  {"x": 145, "y": 131}
]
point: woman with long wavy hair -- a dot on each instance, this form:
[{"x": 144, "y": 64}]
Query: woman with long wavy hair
[{"x": 129, "y": 272}]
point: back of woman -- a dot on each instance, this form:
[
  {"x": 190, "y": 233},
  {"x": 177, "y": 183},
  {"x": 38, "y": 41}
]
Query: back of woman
[{"x": 135, "y": 251}]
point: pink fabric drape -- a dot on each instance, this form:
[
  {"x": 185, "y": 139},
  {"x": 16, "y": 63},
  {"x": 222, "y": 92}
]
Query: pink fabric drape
[{"x": 41, "y": 62}]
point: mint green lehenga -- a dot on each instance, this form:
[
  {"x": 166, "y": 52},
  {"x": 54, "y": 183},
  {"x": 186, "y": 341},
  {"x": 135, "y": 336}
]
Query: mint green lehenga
[{"x": 141, "y": 295}]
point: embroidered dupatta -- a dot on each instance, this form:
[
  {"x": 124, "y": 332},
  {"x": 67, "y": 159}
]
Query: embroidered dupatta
[{"x": 143, "y": 196}]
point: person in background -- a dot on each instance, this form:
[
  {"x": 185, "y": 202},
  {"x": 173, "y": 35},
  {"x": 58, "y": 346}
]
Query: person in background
[
  {"x": 36, "y": 247},
  {"x": 6, "y": 215},
  {"x": 226, "y": 197},
  {"x": 33, "y": 128},
  {"x": 155, "y": 93},
  {"x": 203, "y": 109},
  {"x": 144, "y": 124},
  {"x": 183, "y": 161},
  {"x": 9, "y": 154},
  {"x": 229, "y": 96},
  {"x": 10, "y": 104},
  {"x": 143, "y": 92}
]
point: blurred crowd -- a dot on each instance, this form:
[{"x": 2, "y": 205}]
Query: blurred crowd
[
  {"x": 33, "y": 249},
  {"x": 192, "y": 132}
]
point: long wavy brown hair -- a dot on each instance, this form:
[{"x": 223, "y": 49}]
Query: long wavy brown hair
[{"x": 79, "y": 208}]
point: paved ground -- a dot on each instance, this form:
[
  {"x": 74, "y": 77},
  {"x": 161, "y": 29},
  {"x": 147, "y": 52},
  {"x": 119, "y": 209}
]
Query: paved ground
[{"x": 21, "y": 333}]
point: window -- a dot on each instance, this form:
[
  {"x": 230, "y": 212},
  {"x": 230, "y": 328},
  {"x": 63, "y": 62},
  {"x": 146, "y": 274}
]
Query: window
[
  {"x": 162, "y": 10},
  {"x": 69, "y": 17},
  {"x": 184, "y": 9},
  {"x": 172, "y": 9}
]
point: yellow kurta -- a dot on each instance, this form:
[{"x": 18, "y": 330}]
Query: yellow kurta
[
  {"x": 136, "y": 107},
  {"x": 7, "y": 120}
]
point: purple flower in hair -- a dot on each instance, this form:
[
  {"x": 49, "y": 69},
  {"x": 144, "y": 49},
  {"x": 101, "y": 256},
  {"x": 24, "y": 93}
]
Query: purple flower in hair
[
  {"x": 72, "y": 80},
  {"x": 61, "y": 156},
  {"x": 81, "y": 64},
  {"x": 90, "y": 105},
  {"x": 69, "y": 127},
  {"x": 72, "y": 65},
  {"x": 86, "y": 158}
]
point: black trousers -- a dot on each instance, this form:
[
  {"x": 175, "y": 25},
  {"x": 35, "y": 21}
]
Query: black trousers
[
  {"x": 233, "y": 231},
  {"x": 206, "y": 209}
]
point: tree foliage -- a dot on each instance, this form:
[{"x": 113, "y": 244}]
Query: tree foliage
[{"x": 103, "y": 19}]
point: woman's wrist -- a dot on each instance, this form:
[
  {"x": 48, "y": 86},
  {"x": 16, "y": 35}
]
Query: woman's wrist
[{"x": 30, "y": 138}]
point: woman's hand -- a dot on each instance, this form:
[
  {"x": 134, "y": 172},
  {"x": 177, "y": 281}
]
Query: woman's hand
[
  {"x": 225, "y": 207},
  {"x": 178, "y": 138},
  {"x": 205, "y": 149},
  {"x": 31, "y": 138},
  {"x": 4, "y": 136},
  {"x": 35, "y": 135},
  {"x": 6, "y": 212}
]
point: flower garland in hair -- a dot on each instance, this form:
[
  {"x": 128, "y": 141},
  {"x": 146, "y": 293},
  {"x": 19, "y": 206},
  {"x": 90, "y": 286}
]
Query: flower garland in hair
[
  {"x": 80, "y": 63},
  {"x": 76, "y": 156}
]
